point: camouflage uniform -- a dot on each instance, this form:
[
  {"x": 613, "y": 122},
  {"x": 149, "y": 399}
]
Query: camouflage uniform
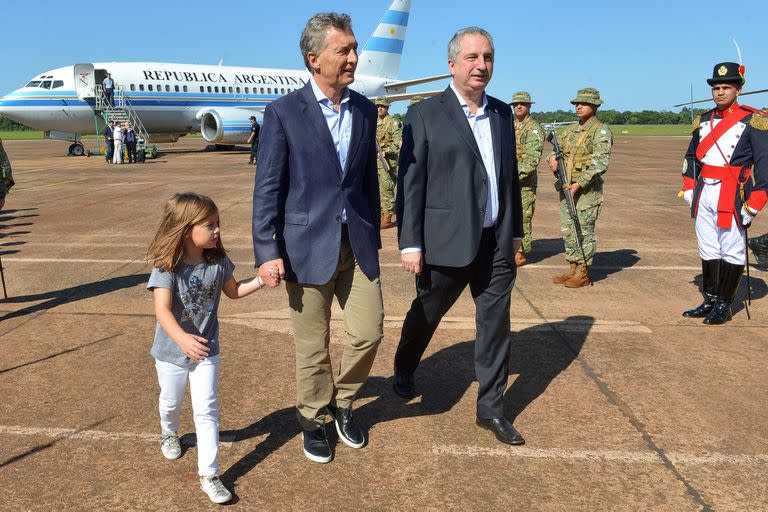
[
  {"x": 6, "y": 178},
  {"x": 389, "y": 135},
  {"x": 586, "y": 152},
  {"x": 529, "y": 136}
]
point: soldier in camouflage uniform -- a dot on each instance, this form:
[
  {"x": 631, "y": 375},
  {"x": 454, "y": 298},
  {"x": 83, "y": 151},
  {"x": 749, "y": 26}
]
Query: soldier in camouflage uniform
[
  {"x": 389, "y": 136},
  {"x": 6, "y": 178},
  {"x": 529, "y": 136},
  {"x": 586, "y": 148}
]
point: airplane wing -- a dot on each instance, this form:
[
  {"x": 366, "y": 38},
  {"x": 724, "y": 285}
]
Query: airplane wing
[
  {"x": 406, "y": 95},
  {"x": 395, "y": 86},
  {"x": 710, "y": 99}
]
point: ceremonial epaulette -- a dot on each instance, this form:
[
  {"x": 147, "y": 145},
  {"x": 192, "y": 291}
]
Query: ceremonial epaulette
[
  {"x": 696, "y": 123},
  {"x": 759, "y": 121}
]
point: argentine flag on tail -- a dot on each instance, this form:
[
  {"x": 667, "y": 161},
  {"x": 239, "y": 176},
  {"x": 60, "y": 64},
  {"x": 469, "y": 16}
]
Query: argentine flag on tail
[{"x": 381, "y": 53}]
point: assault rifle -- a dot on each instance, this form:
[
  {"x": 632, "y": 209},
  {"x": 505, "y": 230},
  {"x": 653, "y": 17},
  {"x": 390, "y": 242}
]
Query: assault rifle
[
  {"x": 562, "y": 184},
  {"x": 383, "y": 160}
]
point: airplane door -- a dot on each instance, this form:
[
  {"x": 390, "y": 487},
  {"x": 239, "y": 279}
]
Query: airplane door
[{"x": 85, "y": 81}]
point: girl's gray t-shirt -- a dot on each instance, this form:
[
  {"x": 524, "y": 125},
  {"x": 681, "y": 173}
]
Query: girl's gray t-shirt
[{"x": 196, "y": 291}]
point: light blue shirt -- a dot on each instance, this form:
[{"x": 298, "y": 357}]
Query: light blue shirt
[
  {"x": 339, "y": 124},
  {"x": 480, "y": 124},
  {"x": 108, "y": 83}
]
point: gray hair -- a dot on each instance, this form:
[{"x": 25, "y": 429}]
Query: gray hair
[
  {"x": 313, "y": 37},
  {"x": 454, "y": 46}
]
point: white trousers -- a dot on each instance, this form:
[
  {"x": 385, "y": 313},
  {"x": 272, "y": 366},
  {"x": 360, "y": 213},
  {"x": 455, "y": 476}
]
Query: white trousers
[
  {"x": 202, "y": 378},
  {"x": 717, "y": 243},
  {"x": 117, "y": 158}
]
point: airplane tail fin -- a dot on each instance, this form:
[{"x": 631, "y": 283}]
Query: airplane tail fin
[{"x": 381, "y": 54}]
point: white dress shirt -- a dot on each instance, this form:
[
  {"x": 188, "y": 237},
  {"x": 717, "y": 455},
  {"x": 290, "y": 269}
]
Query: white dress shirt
[{"x": 339, "y": 124}]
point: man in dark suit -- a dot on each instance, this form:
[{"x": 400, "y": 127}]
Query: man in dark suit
[
  {"x": 109, "y": 141},
  {"x": 460, "y": 221},
  {"x": 316, "y": 224}
]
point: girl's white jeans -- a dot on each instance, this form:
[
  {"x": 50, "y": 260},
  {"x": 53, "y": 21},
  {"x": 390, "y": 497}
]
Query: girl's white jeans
[{"x": 202, "y": 378}]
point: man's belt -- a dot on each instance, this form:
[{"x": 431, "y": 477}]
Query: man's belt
[{"x": 729, "y": 184}]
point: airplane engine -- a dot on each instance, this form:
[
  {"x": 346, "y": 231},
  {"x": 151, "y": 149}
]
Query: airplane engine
[{"x": 226, "y": 125}]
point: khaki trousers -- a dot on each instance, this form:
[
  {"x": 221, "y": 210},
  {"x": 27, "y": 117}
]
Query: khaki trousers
[{"x": 361, "y": 301}]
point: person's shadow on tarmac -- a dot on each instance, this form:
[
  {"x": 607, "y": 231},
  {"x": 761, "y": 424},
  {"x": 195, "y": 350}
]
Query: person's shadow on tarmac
[
  {"x": 74, "y": 293},
  {"x": 539, "y": 354}
]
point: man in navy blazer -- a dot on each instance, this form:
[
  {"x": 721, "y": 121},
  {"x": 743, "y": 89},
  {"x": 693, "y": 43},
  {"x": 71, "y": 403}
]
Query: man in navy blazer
[
  {"x": 316, "y": 225},
  {"x": 459, "y": 217}
]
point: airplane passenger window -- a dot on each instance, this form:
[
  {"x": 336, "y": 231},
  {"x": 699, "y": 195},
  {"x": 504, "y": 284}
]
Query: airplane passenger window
[
  {"x": 176, "y": 88},
  {"x": 46, "y": 84},
  {"x": 216, "y": 89},
  {"x": 133, "y": 87},
  {"x": 209, "y": 88},
  {"x": 262, "y": 90},
  {"x": 247, "y": 90},
  {"x": 159, "y": 88},
  {"x": 237, "y": 90},
  {"x": 149, "y": 87},
  {"x": 269, "y": 90},
  {"x": 167, "y": 88},
  {"x": 202, "y": 89},
  {"x": 230, "y": 90},
  {"x": 34, "y": 83},
  {"x": 141, "y": 87},
  {"x": 57, "y": 84},
  {"x": 185, "y": 88}
]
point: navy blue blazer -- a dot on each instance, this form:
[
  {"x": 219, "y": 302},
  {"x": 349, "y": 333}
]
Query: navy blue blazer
[{"x": 300, "y": 189}]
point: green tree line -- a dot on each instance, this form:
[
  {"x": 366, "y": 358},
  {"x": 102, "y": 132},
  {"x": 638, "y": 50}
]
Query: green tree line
[
  {"x": 6, "y": 125},
  {"x": 616, "y": 117}
]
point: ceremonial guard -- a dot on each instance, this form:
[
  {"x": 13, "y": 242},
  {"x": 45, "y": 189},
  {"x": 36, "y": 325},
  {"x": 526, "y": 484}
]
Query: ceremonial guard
[
  {"x": 389, "y": 135},
  {"x": 586, "y": 149},
  {"x": 725, "y": 179},
  {"x": 529, "y": 136},
  {"x": 6, "y": 177}
]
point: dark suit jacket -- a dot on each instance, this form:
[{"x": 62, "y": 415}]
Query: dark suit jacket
[
  {"x": 442, "y": 189},
  {"x": 301, "y": 190}
]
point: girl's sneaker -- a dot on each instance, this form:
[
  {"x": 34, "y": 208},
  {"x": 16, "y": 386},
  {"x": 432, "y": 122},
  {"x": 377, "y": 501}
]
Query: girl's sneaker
[
  {"x": 170, "y": 445},
  {"x": 212, "y": 486}
]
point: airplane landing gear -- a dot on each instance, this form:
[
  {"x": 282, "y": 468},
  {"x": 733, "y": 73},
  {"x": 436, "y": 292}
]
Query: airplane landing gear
[{"x": 76, "y": 149}]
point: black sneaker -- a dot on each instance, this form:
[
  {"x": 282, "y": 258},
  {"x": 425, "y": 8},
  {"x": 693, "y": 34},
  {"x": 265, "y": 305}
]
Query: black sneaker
[
  {"x": 349, "y": 431},
  {"x": 316, "y": 446}
]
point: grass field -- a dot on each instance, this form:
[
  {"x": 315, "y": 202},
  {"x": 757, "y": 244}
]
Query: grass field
[{"x": 651, "y": 129}]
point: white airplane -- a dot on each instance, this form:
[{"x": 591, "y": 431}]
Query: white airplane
[{"x": 172, "y": 100}]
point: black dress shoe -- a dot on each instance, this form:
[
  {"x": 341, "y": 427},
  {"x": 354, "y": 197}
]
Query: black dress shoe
[
  {"x": 502, "y": 429},
  {"x": 703, "y": 309},
  {"x": 719, "y": 314},
  {"x": 404, "y": 386},
  {"x": 349, "y": 431},
  {"x": 316, "y": 446}
]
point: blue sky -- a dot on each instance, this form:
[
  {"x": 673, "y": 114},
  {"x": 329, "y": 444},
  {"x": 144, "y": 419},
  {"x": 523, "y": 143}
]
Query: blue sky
[{"x": 639, "y": 54}]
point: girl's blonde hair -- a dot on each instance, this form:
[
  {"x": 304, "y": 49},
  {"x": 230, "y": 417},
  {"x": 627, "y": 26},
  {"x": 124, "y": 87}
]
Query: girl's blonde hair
[{"x": 182, "y": 211}]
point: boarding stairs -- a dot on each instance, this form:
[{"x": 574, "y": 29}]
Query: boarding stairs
[{"x": 121, "y": 111}]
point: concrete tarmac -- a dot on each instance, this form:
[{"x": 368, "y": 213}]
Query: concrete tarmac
[{"x": 624, "y": 404}]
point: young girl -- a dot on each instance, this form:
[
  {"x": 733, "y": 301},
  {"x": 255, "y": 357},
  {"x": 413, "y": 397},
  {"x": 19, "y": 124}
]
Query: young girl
[{"x": 191, "y": 269}]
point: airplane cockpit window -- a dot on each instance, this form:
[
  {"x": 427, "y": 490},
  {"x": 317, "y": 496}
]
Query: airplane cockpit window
[
  {"x": 57, "y": 84},
  {"x": 34, "y": 83},
  {"x": 46, "y": 84}
]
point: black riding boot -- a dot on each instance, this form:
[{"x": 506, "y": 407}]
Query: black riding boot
[
  {"x": 759, "y": 248},
  {"x": 710, "y": 272},
  {"x": 730, "y": 277}
]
